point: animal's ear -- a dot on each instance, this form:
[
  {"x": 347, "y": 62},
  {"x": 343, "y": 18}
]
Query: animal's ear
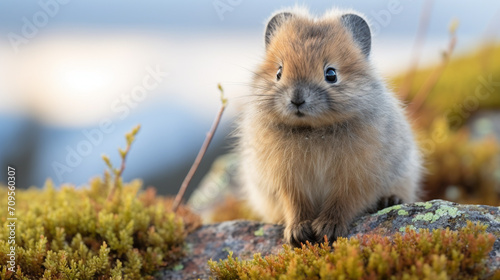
[
  {"x": 360, "y": 31},
  {"x": 274, "y": 23}
]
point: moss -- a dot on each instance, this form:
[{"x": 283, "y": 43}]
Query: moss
[
  {"x": 440, "y": 254},
  {"x": 459, "y": 81},
  {"x": 459, "y": 169},
  {"x": 83, "y": 233},
  {"x": 477, "y": 161}
]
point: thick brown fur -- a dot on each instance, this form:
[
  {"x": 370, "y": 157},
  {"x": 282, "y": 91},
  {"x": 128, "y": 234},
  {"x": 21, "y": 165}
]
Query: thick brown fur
[{"x": 348, "y": 148}]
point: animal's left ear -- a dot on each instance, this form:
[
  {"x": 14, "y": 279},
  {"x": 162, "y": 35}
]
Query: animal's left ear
[
  {"x": 274, "y": 23},
  {"x": 360, "y": 31}
]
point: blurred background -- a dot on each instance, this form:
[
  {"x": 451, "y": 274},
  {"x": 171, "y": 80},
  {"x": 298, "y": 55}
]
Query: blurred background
[{"x": 76, "y": 75}]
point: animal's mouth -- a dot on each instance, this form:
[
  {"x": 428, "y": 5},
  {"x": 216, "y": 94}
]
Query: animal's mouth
[{"x": 299, "y": 114}]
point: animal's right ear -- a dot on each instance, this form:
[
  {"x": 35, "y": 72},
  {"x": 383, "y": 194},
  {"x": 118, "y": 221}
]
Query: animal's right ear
[
  {"x": 360, "y": 31},
  {"x": 274, "y": 23}
]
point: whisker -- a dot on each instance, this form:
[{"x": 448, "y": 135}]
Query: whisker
[{"x": 260, "y": 76}]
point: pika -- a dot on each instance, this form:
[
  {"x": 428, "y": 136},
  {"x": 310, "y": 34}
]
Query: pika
[{"x": 322, "y": 140}]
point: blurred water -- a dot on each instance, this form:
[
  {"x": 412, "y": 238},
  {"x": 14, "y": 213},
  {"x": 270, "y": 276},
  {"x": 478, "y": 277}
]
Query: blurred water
[{"x": 75, "y": 70}]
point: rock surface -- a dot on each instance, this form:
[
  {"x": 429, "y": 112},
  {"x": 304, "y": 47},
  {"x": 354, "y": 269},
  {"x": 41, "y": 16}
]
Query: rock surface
[{"x": 245, "y": 238}]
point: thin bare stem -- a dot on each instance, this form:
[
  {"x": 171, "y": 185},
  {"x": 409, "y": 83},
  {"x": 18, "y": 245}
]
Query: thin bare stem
[
  {"x": 427, "y": 87},
  {"x": 417, "y": 48},
  {"x": 201, "y": 153},
  {"x": 491, "y": 29}
]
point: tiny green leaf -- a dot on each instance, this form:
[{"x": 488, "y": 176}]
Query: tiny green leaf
[{"x": 259, "y": 232}]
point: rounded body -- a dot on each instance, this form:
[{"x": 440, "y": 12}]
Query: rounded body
[{"x": 316, "y": 152}]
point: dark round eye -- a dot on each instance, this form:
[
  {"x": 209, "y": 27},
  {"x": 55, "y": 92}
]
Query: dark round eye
[
  {"x": 331, "y": 75},
  {"x": 278, "y": 75}
]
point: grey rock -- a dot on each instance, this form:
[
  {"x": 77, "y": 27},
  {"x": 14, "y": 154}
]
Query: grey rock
[
  {"x": 435, "y": 214},
  {"x": 245, "y": 238},
  {"x": 215, "y": 241}
]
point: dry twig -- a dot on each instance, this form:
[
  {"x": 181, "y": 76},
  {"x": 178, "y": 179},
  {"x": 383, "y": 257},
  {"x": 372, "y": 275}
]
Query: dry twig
[
  {"x": 417, "y": 48},
  {"x": 427, "y": 87},
  {"x": 201, "y": 153}
]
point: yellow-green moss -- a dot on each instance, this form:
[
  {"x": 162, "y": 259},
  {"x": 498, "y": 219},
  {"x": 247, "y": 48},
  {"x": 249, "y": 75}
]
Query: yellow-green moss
[
  {"x": 461, "y": 78},
  {"x": 77, "y": 232},
  {"x": 469, "y": 83},
  {"x": 440, "y": 254},
  {"x": 84, "y": 233},
  {"x": 452, "y": 159}
]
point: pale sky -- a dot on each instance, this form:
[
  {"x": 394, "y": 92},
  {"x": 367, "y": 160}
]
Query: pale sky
[{"x": 87, "y": 55}]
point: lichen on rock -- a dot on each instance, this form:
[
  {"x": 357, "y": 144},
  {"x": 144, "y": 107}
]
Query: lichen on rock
[{"x": 240, "y": 238}]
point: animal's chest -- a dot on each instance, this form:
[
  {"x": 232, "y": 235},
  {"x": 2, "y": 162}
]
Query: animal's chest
[{"x": 313, "y": 167}]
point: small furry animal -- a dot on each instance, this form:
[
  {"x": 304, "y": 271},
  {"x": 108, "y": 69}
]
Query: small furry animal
[{"x": 322, "y": 140}]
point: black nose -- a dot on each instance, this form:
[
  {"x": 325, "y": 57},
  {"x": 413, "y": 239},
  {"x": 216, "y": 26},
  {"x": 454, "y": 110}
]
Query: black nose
[
  {"x": 297, "y": 102},
  {"x": 297, "y": 97}
]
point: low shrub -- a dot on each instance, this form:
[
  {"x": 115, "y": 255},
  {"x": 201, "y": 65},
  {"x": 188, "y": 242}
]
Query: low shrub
[
  {"x": 440, "y": 254},
  {"x": 108, "y": 229}
]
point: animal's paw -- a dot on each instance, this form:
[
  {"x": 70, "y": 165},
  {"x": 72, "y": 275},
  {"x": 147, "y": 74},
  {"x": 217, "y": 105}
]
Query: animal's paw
[
  {"x": 388, "y": 201},
  {"x": 300, "y": 232},
  {"x": 329, "y": 228}
]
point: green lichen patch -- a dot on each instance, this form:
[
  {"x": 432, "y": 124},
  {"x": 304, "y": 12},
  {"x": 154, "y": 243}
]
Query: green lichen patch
[
  {"x": 440, "y": 254},
  {"x": 442, "y": 211},
  {"x": 410, "y": 227},
  {"x": 451, "y": 211},
  {"x": 388, "y": 209},
  {"x": 424, "y": 217},
  {"x": 426, "y": 205},
  {"x": 178, "y": 267},
  {"x": 403, "y": 213},
  {"x": 259, "y": 232}
]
